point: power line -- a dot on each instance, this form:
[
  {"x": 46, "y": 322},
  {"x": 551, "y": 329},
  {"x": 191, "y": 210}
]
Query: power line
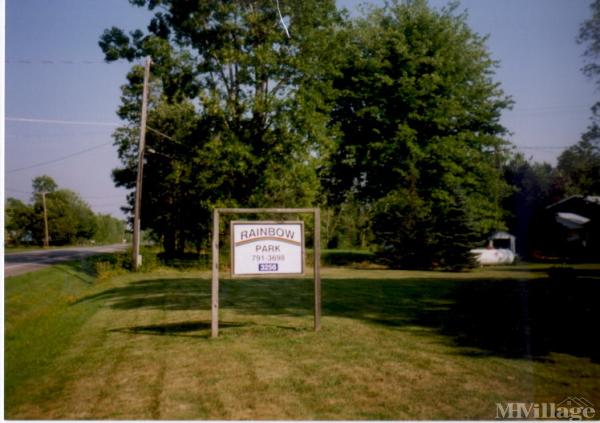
[
  {"x": 58, "y": 159},
  {"x": 104, "y": 196},
  {"x": 46, "y": 134},
  {"x": 61, "y": 122},
  {"x": 49, "y": 61},
  {"x": 81, "y": 122},
  {"x": 16, "y": 190},
  {"x": 156, "y": 131},
  {"x": 92, "y": 197},
  {"x": 106, "y": 209},
  {"x": 558, "y": 107},
  {"x": 54, "y": 62},
  {"x": 544, "y": 147},
  {"x": 106, "y": 205}
]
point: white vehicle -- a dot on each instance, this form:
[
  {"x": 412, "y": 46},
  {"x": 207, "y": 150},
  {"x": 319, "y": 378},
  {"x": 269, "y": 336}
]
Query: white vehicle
[
  {"x": 487, "y": 256},
  {"x": 492, "y": 255}
]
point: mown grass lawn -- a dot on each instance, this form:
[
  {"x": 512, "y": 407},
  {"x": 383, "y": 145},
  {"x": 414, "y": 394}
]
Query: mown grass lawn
[{"x": 394, "y": 344}]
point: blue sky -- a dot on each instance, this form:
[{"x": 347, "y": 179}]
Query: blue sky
[{"x": 54, "y": 71}]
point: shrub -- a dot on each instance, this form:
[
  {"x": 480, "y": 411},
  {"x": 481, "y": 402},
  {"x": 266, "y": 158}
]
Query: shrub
[{"x": 411, "y": 233}]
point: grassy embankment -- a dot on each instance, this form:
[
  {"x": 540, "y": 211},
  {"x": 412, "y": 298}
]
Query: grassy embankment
[{"x": 394, "y": 344}]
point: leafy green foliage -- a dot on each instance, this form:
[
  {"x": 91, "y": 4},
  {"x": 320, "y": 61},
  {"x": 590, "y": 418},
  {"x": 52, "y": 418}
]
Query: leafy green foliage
[
  {"x": 17, "y": 221},
  {"x": 402, "y": 224},
  {"x": 456, "y": 235},
  {"x": 108, "y": 229},
  {"x": 589, "y": 34},
  {"x": 70, "y": 219},
  {"x": 579, "y": 165},
  {"x": 43, "y": 183},
  {"x": 347, "y": 225},
  {"x": 419, "y": 116},
  {"x": 243, "y": 105}
]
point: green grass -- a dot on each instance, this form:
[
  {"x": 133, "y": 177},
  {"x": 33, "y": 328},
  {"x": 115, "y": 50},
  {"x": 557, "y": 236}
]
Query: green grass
[{"x": 394, "y": 344}]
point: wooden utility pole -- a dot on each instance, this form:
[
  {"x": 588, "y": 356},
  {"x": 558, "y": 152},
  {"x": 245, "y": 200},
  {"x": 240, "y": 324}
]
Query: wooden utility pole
[
  {"x": 46, "y": 236},
  {"x": 137, "y": 258}
]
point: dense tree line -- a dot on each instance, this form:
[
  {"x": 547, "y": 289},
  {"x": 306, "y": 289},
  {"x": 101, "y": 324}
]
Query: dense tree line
[
  {"x": 389, "y": 122},
  {"x": 535, "y": 186},
  {"x": 70, "y": 219},
  {"x": 577, "y": 171}
]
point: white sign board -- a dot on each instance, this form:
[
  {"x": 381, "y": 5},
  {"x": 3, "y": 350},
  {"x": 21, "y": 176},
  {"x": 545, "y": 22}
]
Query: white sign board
[{"x": 267, "y": 248}]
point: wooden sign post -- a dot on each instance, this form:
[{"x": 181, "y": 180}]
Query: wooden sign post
[{"x": 278, "y": 235}]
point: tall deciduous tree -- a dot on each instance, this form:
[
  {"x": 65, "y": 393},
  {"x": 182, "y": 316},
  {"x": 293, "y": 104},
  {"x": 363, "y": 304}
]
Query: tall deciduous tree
[
  {"x": 419, "y": 114},
  {"x": 579, "y": 165},
  {"x": 241, "y": 90}
]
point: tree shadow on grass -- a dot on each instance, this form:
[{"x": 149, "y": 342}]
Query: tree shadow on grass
[
  {"x": 187, "y": 329},
  {"x": 521, "y": 318},
  {"x": 159, "y": 294},
  {"x": 508, "y": 318}
]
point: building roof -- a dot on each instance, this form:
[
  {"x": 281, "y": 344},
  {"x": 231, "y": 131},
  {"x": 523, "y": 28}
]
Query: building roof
[{"x": 571, "y": 220}]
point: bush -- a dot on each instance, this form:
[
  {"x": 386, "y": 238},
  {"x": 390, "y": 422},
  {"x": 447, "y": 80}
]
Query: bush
[
  {"x": 413, "y": 234},
  {"x": 401, "y": 228},
  {"x": 107, "y": 265},
  {"x": 187, "y": 260},
  {"x": 345, "y": 257}
]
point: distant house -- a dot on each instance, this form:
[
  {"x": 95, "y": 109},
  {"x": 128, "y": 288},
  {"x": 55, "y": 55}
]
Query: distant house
[{"x": 574, "y": 226}]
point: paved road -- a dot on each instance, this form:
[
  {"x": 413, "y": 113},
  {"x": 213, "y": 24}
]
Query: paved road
[{"x": 28, "y": 261}]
